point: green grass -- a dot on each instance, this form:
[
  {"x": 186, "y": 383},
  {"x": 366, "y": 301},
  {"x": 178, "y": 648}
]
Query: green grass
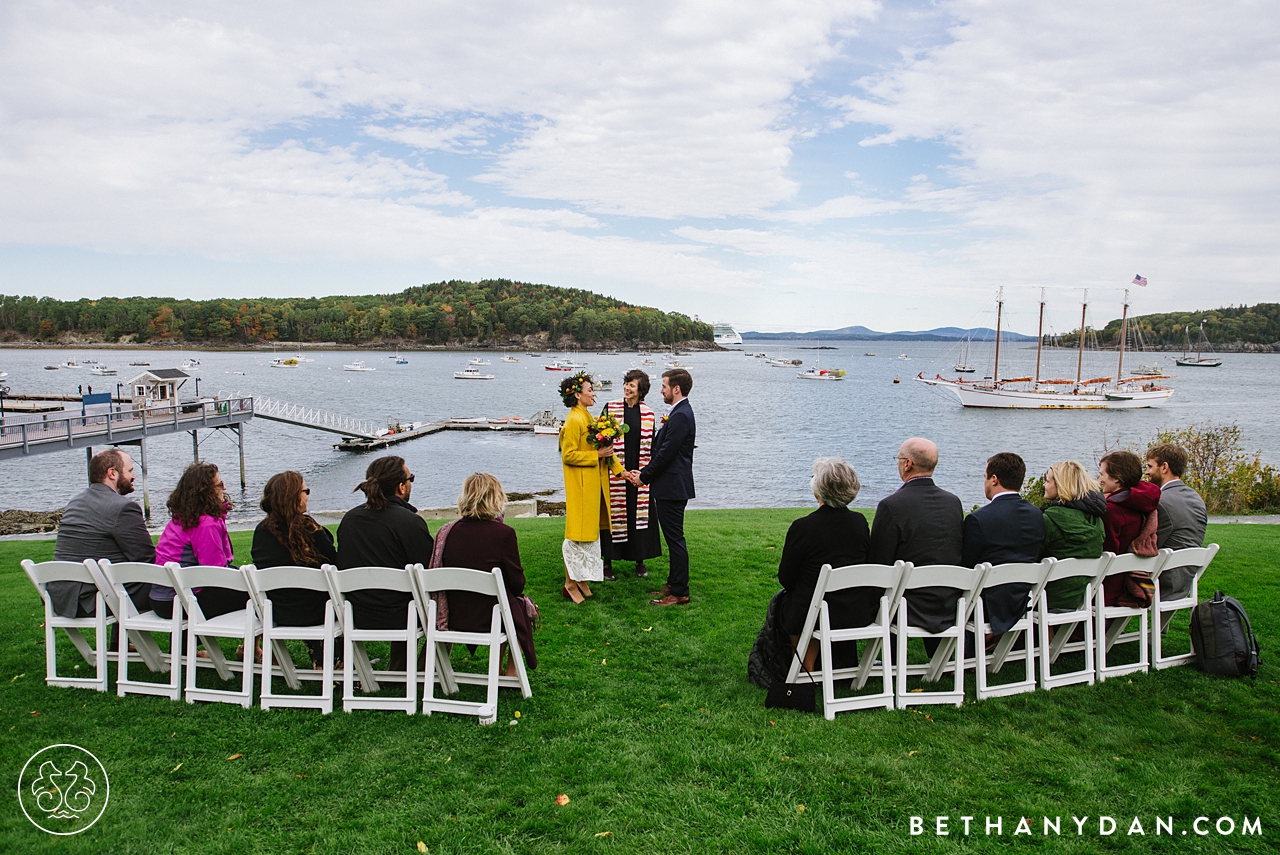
[{"x": 645, "y": 719}]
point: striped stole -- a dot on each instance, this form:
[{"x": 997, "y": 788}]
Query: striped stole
[{"x": 618, "y": 486}]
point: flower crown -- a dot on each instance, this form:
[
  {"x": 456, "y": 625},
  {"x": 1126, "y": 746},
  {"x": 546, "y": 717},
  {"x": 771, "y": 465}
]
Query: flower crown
[{"x": 573, "y": 386}]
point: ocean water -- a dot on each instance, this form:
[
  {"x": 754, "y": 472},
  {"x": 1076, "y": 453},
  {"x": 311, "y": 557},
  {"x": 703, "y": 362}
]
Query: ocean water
[{"x": 759, "y": 427}]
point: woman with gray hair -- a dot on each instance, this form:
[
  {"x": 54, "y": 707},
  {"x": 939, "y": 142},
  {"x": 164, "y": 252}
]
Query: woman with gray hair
[{"x": 833, "y": 535}]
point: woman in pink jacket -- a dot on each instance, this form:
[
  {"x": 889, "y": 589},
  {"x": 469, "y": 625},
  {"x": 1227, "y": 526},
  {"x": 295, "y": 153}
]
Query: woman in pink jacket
[{"x": 197, "y": 534}]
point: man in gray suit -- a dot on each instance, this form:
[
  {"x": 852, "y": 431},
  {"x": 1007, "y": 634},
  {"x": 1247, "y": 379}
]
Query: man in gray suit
[
  {"x": 102, "y": 523},
  {"x": 1182, "y": 515}
]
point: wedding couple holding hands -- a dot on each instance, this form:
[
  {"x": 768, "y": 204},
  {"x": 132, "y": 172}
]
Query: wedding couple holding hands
[{"x": 612, "y": 505}]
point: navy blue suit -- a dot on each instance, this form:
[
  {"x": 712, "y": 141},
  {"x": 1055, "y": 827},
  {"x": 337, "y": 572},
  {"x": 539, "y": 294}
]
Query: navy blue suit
[
  {"x": 1009, "y": 530},
  {"x": 669, "y": 475}
]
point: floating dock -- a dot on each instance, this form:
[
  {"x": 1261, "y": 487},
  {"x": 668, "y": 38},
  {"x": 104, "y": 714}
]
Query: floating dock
[{"x": 414, "y": 431}]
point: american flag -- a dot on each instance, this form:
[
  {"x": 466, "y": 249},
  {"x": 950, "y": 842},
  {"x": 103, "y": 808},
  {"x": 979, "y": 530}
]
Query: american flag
[{"x": 1140, "y": 280}]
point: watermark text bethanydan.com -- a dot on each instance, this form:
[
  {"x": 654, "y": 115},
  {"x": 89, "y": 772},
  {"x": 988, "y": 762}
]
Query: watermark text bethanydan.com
[{"x": 1080, "y": 826}]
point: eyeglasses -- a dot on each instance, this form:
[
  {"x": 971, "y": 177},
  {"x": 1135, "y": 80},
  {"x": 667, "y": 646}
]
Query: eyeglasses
[
  {"x": 902, "y": 458},
  {"x": 409, "y": 479},
  {"x": 306, "y": 491}
]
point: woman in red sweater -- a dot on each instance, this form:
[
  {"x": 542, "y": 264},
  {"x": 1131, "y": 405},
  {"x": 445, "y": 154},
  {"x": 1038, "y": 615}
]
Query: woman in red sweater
[{"x": 1129, "y": 501}]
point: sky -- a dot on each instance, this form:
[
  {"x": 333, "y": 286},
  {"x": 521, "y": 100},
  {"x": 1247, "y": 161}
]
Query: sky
[{"x": 774, "y": 165}]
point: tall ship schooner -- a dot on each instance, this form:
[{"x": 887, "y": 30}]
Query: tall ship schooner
[
  {"x": 1037, "y": 393},
  {"x": 1201, "y": 361}
]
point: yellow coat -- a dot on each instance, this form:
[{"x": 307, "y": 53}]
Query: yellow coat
[{"x": 586, "y": 479}]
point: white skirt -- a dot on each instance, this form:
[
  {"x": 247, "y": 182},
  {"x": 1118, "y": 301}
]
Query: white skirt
[{"x": 582, "y": 560}]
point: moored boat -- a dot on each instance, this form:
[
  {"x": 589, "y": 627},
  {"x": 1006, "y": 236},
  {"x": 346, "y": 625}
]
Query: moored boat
[
  {"x": 471, "y": 372},
  {"x": 358, "y": 365}
]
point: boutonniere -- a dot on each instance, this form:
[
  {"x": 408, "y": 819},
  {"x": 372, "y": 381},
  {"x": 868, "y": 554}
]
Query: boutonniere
[{"x": 665, "y": 419}]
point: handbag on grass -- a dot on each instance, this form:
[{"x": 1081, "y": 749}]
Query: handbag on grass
[{"x": 793, "y": 696}]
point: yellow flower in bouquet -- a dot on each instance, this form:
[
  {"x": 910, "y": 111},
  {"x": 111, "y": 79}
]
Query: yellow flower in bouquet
[{"x": 605, "y": 430}]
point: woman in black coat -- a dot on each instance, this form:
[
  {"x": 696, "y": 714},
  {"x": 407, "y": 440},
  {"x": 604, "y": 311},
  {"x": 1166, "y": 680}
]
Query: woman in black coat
[
  {"x": 833, "y": 535},
  {"x": 289, "y": 537}
]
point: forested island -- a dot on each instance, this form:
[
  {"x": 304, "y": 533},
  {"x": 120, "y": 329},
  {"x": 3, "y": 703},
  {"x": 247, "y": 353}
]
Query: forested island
[
  {"x": 494, "y": 312},
  {"x": 1234, "y": 328}
]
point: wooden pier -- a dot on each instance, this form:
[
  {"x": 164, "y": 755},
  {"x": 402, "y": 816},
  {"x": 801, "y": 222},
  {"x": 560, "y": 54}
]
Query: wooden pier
[{"x": 416, "y": 430}]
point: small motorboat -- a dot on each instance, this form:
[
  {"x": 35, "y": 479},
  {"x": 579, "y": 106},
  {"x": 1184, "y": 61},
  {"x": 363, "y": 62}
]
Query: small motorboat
[
  {"x": 285, "y": 363},
  {"x": 475, "y": 360},
  {"x": 471, "y": 372},
  {"x": 101, "y": 370},
  {"x": 358, "y": 365}
]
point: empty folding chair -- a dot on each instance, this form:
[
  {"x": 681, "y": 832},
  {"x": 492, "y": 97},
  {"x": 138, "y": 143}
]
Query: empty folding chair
[
  {"x": 1061, "y": 625},
  {"x": 950, "y": 652},
  {"x": 502, "y": 630},
  {"x": 354, "y": 658},
  {"x": 1162, "y": 610},
  {"x": 96, "y": 654},
  {"x": 1111, "y": 622},
  {"x": 1005, "y": 574},
  {"x": 817, "y": 628},
  {"x": 242, "y": 624},
  {"x": 275, "y": 655},
  {"x": 139, "y": 626}
]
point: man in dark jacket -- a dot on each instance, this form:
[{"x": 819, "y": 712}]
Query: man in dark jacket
[
  {"x": 669, "y": 475},
  {"x": 921, "y": 523},
  {"x": 102, "y": 523},
  {"x": 385, "y": 531},
  {"x": 1009, "y": 530},
  {"x": 1183, "y": 517}
]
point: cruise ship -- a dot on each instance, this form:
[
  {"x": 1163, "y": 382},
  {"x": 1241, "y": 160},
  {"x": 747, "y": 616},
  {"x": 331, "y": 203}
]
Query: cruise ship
[{"x": 725, "y": 334}]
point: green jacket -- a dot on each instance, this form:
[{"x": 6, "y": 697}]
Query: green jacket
[{"x": 1069, "y": 533}]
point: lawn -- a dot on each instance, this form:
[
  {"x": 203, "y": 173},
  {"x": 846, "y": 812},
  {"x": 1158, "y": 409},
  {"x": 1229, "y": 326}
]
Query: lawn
[{"x": 644, "y": 718}]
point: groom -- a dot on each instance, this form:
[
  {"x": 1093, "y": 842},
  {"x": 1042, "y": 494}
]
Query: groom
[{"x": 669, "y": 475}]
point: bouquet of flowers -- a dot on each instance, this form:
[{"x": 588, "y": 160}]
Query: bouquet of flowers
[{"x": 605, "y": 430}]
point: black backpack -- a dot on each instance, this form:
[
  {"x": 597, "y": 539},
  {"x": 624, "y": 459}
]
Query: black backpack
[{"x": 1222, "y": 638}]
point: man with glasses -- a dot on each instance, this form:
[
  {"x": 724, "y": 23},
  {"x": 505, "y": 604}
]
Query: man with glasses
[
  {"x": 924, "y": 524},
  {"x": 385, "y": 531},
  {"x": 102, "y": 523}
]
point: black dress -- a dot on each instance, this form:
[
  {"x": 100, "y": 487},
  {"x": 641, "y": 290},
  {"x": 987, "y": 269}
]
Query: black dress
[
  {"x": 641, "y": 543},
  {"x": 293, "y": 606}
]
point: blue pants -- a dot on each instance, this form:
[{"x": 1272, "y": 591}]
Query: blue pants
[{"x": 670, "y": 513}]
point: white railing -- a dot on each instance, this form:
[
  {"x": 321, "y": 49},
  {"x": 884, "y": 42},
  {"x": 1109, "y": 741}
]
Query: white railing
[
  {"x": 26, "y": 429},
  {"x": 281, "y": 411}
]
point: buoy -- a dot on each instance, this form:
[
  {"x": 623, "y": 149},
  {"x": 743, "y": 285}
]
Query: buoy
[{"x": 895, "y": 380}]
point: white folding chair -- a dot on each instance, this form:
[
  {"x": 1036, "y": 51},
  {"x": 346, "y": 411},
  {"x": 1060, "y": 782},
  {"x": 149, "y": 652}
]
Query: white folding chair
[
  {"x": 1093, "y": 569},
  {"x": 817, "y": 626},
  {"x": 275, "y": 654},
  {"x": 1162, "y": 610},
  {"x": 1005, "y": 574},
  {"x": 96, "y": 654},
  {"x": 1111, "y": 622},
  {"x": 502, "y": 629},
  {"x": 140, "y": 625},
  {"x": 242, "y": 624},
  {"x": 950, "y": 652},
  {"x": 354, "y": 657}
]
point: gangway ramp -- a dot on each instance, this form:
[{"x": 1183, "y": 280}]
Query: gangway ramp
[{"x": 311, "y": 417}]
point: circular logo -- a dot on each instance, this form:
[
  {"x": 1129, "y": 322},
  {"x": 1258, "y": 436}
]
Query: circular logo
[{"x": 63, "y": 789}]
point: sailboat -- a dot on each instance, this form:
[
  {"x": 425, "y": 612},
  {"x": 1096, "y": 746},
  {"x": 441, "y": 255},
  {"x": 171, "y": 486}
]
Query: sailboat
[
  {"x": 1097, "y": 393},
  {"x": 1199, "y": 361},
  {"x": 963, "y": 366}
]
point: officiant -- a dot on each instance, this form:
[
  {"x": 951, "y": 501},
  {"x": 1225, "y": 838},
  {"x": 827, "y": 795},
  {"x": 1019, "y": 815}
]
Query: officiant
[{"x": 632, "y": 534}]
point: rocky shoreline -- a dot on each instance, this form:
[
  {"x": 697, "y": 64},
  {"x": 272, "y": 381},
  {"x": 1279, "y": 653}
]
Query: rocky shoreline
[
  {"x": 522, "y": 344},
  {"x": 29, "y": 522}
]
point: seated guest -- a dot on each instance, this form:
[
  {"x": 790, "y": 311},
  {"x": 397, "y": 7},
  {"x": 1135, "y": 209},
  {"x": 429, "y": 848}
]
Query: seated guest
[
  {"x": 480, "y": 540},
  {"x": 101, "y": 523},
  {"x": 197, "y": 535},
  {"x": 1072, "y": 528},
  {"x": 1130, "y": 500},
  {"x": 833, "y": 535},
  {"x": 1183, "y": 517},
  {"x": 1009, "y": 530},
  {"x": 385, "y": 531},
  {"x": 921, "y": 523},
  {"x": 289, "y": 537}
]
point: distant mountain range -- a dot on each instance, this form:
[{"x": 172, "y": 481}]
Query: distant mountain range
[{"x": 860, "y": 333}]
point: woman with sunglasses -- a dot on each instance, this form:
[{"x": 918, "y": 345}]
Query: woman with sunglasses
[{"x": 289, "y": 537}]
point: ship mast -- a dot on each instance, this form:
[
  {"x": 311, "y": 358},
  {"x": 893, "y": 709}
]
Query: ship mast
[
  {"x": 1039, "y": 339},
  {"x": 1200, "y": 343},
  {"x": 995, "y": 375},
  {"x": 1080, "y": 359},
  {"x": 1124, "y": 334}
]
